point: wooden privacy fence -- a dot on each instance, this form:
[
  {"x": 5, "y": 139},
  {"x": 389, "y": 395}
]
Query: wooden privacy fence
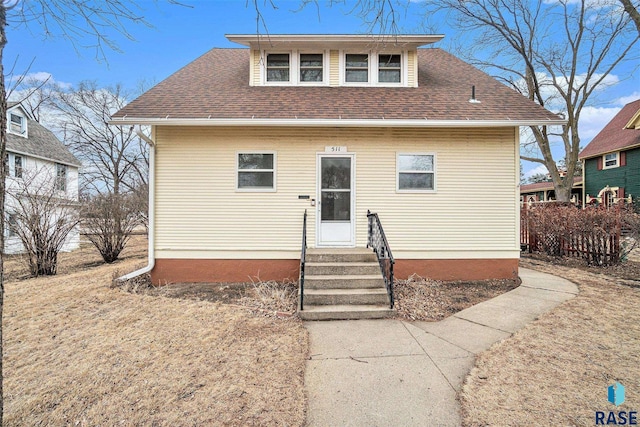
[{"x": 558, "y": 229}]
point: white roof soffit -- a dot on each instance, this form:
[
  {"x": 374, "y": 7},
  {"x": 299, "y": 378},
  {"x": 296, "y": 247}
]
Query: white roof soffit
[
  {"x": 270, "y": 41},
  {"x": 332, "y": 122}
]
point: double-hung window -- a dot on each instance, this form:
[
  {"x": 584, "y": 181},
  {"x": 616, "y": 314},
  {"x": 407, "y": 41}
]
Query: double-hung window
[
  {"x": 256, "y": 171},
  {"x": 611, "y": 160},
  {"x": 356, "y": 68},
  {"x": 61, "y": 177},
  {"x": 16, "y": 124},
  {"x": 17, "y": 166},
  {"x": 278, "y": 67},
  {"x": 311, "y": 67},
  {"x": 389, "y": 69},
  {"x": 416, "y": 172}
]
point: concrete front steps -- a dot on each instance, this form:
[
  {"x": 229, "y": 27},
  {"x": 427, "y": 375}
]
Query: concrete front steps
[{"x": 343, "y": 284}]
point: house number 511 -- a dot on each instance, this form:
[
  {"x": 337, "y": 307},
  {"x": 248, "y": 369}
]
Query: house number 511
[{"x": 335, "y": 149}]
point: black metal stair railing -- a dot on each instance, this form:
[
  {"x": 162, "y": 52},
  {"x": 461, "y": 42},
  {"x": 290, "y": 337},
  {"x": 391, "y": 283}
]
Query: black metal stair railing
[
  {"x": 303, "y": 256},
  {"x": 377, "y": 240}
]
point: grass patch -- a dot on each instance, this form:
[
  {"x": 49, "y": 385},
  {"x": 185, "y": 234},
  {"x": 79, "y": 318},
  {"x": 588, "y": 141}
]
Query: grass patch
[
  {"x": 555, "y": 371},
  {"x": 431, "y": 300},
  {"x": 79, "y": 352}
]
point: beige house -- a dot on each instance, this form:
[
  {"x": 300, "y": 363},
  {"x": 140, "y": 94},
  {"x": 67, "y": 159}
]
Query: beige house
[{"x": 244, "y": 141}]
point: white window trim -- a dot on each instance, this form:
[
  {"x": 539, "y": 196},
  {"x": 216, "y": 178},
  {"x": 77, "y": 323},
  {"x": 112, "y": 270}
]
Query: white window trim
[
  {"x": 403, "y": 69},
  {"x": 57, "y": 178},
  {"x": 604, "y": 161},
  {"x": 415, "y": 190},
  {"x": 257, "y": 189},
  {"x": 325, "y": 67},
  {"x": 373, "y": 68},
  {"x": 24, "y": 132},
  {"x": 294, "y": 67}
]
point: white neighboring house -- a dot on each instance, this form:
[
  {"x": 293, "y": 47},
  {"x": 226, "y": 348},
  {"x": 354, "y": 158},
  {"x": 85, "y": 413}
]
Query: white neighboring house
[{"x": 36, "y": 154}]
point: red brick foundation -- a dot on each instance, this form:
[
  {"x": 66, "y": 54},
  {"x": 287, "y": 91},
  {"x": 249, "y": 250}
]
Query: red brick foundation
[
  {"x": 223, "y": 270},
  {"x": 457, "y": 269},
  {"x": 240, "y": 270}
]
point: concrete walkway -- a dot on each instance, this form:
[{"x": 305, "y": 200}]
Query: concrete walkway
[{"x": 396, "y": 373}]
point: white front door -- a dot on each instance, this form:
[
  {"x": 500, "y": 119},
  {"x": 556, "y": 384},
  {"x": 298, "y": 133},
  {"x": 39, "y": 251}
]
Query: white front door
[{"x": 336, "y": 222}]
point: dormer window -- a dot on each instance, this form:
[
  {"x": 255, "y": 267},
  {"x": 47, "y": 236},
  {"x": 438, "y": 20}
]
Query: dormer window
[
  {"x": 373, "y": 69},
  {"x": 17, "y": 124},
  {"x": 311, "y": 67},
  {"x": 356, "y": 68},
  {"x": 278, "y": 65},
  {"x": 389, "y": 69}
]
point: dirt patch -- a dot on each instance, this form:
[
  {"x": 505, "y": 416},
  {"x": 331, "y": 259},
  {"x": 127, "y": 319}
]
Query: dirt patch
[
  {"x": 429, "y": 300},
  {"x": 556, "y": 370},
  {"x": 80, "y": 352}
]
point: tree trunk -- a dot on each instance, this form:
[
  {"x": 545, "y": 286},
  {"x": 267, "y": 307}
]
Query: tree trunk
[{"x": 3, "y": 150}]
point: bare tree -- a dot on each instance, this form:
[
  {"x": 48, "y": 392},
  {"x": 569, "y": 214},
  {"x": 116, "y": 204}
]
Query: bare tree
[
  {"x": 558, "y": 54},
  {"x": 41, "y": 216},
  {"x": 108, "y": 222},
  {"x": 114, "y": 158}
]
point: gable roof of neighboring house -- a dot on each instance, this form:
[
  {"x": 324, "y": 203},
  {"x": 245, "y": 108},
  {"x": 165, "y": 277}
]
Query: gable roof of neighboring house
[
  {"x": 41, "y": 142},
  {"x": 214, "y": 89},
  {"x": 615, "y": 136},
  {"x": 547, "y": 185}
]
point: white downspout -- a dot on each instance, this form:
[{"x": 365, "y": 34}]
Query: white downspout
[{"x": 152, "y": 215}]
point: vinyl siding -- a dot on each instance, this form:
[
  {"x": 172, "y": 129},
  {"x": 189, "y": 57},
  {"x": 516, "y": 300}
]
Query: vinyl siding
[
  {"x": 627, "y": 176},
  {"x": 254, "y": 68},
  {"x": 412, "y": 69},
  {"x": 199, "y": 213},
  {"x": 334, "y": 68}
]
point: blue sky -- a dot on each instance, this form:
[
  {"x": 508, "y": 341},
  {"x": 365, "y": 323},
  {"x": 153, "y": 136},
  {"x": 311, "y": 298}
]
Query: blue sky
[{"x": 181, "y": 34}]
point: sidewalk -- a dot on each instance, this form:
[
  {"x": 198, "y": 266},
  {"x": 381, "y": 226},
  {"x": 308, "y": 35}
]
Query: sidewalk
[{"x": 397, "y": 373}]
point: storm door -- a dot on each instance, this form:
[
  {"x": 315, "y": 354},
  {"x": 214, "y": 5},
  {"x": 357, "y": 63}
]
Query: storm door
[{"x": 336, "y": 222}]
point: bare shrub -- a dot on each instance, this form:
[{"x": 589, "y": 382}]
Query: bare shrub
[
  {"x": 272, "y": 295},
  {"x": 109, "y": 221},
  {"x": 593, "y": 234},
  {"x": 42, "y": 216}
]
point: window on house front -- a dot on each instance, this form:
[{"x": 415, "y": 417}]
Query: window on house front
[
  {"x": 256, "y": 171},
  {"x": 356, "y": 68},
  {"x": 278, "y": 65},
  {"x": 17, "y": 166},
  {"x": 311, "y": 67},
  {"x": 389, "y": 68},
  {"x": 12, "y": 225},
  {"x": 61, "y": 177},
  {"x": 611, "y": 160},
  {"x": 416, "y": 172},
  {"x": 16, "y": 124}
]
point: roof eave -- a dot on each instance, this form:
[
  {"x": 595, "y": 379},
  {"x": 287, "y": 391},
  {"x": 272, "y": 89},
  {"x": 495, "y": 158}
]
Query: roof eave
[
  {"x": 334, "y": 122},
  {"x": 602, "y": 153}
]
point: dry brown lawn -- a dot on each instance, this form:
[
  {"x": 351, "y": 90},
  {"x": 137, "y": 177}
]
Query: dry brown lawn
[
  {"x": 556, "y": 370},
  {"x": 80, "y": 353}
]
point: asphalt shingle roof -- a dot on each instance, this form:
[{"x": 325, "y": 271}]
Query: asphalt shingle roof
[
  {"x": 216, "y": 85},
  {"x": 614, "y": 136},
  {"x": 41, "y": 143}
]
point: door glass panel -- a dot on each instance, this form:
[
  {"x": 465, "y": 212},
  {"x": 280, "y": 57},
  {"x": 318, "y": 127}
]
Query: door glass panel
[
  {"x": 336, "y": 173},
  {"x": 336, "y": 206}
]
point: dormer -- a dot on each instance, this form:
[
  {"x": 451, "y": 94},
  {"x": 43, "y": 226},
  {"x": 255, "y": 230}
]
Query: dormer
[
  {"x": 17, "y": 119},
  {"x": 334, "y": 60}
]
